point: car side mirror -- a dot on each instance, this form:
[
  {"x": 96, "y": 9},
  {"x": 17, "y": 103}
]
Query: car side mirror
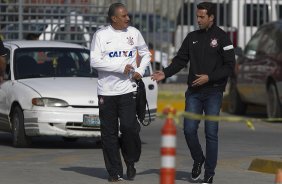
[{"x": 238, "y": 51}]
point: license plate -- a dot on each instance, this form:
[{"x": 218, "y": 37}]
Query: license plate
[{"x": 90, "y": 120}]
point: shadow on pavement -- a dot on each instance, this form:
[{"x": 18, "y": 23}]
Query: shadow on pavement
[
  {"x": 179, "y": 175},
  {"x": 149, "y": 171},
  {"x": 185, "y": 176},
  {"x": 58, "y": 142},
  {"x": 90, "y": 171},
  {"x": 6, "y": 139}
]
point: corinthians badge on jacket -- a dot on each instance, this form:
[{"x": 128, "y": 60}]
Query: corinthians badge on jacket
[{"x": 213, "y": 42}]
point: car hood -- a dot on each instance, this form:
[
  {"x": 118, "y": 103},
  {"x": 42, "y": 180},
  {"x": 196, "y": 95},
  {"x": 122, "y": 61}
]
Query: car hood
[{"x": 74, "y": 90}]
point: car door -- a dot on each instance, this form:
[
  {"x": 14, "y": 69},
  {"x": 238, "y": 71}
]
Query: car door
[
  {"x": 247, "y": 69},
  {"x": 151, "y": 93},
  {"x": 4, "y": 92},
  {"x": 265, "y": 65}
]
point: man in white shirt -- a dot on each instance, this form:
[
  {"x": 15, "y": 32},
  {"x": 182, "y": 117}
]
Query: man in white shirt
[{"x": 113, "y": 53}]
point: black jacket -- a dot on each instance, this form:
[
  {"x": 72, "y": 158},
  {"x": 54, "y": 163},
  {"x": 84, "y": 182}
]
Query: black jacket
[{"x": 210, "y": 52}]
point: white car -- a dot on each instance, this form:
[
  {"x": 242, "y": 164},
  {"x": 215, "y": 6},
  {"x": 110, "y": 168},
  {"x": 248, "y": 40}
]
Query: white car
[{"x": 50, "y": 90}]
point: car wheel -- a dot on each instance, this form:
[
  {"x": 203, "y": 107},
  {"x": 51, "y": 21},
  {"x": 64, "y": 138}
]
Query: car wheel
[
  {"x": 273, "y": 105},
  {"x": 20, "y": 139},
  {"x": 236, "y": 105},
  {"x": 70, "y": 139}
]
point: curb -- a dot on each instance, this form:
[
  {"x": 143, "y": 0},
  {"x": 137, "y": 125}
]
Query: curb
[
  {"x": 173, "y": 99},
  {"x": 265, "y": 165}
]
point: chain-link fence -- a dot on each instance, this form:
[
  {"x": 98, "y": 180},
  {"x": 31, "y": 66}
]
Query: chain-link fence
[
  {"x": 77, "y": 20},
  {"x": 163, "y": 23}
]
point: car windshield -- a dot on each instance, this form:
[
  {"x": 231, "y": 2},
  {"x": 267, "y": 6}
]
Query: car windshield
[{"x": 52, "y": 62}]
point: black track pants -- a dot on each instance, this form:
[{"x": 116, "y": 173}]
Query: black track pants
[{"x": 112, "y": 111}]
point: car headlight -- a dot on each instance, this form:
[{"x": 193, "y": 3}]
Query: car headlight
[{"x": 49, "y": 102}]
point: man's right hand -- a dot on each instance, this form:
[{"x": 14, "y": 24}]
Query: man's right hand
[
  {"x": 128, "y": 68},
  {"x": 158, "y": 76}
]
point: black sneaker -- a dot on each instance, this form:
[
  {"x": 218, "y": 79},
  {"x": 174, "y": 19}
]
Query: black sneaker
[
  {"x": 197, "y": 169},
  {"x": 207, "y": 180},
  {"x": 115, "y": 178},
  {"x": 130, "y": 172}
]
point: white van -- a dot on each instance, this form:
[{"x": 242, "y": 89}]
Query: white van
[{"x": 239, "y": 18}]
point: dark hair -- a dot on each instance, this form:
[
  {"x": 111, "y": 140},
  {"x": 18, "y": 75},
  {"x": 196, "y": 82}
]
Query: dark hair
[
  {"x": 112, "y": 10},
  {"x": 210, "y": 7}
]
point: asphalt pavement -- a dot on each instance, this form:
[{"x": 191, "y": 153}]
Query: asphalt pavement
[{"x": 52, "y": 160}]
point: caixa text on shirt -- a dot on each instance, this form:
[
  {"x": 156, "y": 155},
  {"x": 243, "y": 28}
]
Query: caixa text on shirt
[{"x": 120, "y": 54}]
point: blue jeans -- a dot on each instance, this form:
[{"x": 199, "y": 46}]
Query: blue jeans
[{"x": 208, "y": 103}]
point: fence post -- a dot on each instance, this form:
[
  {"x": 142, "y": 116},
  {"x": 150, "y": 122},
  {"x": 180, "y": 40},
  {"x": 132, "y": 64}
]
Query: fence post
[{"x": 168, "y": 149}]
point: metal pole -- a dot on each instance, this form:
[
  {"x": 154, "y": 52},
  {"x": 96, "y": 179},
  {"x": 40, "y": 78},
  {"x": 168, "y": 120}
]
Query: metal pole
[
  {"x": 20, "y": 10},
  {"x": 67, "y": 19}
]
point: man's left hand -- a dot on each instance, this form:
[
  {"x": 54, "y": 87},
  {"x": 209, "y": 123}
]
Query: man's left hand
[{"x": 202, "y": 79}]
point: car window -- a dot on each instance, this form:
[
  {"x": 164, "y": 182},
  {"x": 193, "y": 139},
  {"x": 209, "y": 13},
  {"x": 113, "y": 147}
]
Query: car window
[
  {"x": 279, "y": 11},
  {"x": 267, "y": 44},
  {"x": 278, "y": 38},
  {"x": 252, "y": 46},
  {"x": 52, "y": 62}
]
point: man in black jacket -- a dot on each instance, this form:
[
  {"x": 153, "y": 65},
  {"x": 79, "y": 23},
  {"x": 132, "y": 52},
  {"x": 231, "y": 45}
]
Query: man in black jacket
[{"x": 212, "y": 59}]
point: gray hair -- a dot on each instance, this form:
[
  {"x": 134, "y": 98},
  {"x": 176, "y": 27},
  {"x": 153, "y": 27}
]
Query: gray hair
[{"x": 112, "y": 10}]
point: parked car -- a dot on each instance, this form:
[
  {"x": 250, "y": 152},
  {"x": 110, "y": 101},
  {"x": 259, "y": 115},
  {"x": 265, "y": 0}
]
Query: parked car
[
  {"x": 50, "y": 90},
  {"x": 258, "y": 73}
]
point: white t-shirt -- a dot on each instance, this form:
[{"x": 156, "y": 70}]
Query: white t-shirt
[{"x": 111, "y": 51}]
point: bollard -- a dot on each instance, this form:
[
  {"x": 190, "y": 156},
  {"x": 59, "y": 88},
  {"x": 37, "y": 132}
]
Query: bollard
[{"x": 168, "y": 150}]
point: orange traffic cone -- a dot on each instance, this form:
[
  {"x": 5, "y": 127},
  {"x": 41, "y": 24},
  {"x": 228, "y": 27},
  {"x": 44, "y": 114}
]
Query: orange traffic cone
[
  {"x": 278, "y": 178},
  {"x": 168, "y": 149}
]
